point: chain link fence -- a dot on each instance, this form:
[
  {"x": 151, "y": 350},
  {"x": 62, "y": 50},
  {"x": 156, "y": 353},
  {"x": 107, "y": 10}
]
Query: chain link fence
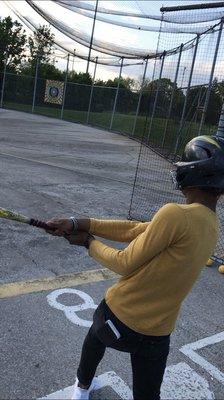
[{"x": 116, "y": 108}]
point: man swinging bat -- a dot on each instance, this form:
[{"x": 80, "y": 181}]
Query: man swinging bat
[{"x": 157, "y": 269}]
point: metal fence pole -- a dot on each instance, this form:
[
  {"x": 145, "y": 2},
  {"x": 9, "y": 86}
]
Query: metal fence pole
[
  {"x": 186, "y": 96},
  {"x": 156, "y": 96},
  {"x": 172, "y": 95},
  {"x": 35, "y": 84},
  {"x": 116, "y": 96},
  {"x": 208, "y": 93},
  {"x": 91, "y": 92},
  {"x": 65, "y": 87},
  {"x": 140, "y": 97},
  {"x": 3, "y": 80}
]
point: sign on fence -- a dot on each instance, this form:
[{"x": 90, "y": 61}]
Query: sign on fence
[{"x": 54, "y": 92}]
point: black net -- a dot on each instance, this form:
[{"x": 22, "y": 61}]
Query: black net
[
  {"x": 1, "y": 85},
  {"x": 184, "y": 100},
  {"x": 76, "y": 102},
  {"x": 18, "y": 92},
  {"x": 125, "y": 111},
  {"x": 102, "y": 106},
  {"x": 153, "y": 186},
  {"x": 178, "y": 96}
]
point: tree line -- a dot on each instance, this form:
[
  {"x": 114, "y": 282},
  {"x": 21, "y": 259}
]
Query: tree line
[{"x": 21, "y": 52}]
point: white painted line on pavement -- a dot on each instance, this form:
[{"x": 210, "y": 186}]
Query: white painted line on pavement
[
  {"x": 189, "y": 351},
  {"x": 180, "y": 382},
  {"x": 110, "y": 379}
]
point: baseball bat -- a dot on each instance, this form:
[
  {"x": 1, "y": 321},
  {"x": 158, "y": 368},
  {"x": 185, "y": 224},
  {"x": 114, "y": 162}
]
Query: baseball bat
[{"x": 14, "y": 216}]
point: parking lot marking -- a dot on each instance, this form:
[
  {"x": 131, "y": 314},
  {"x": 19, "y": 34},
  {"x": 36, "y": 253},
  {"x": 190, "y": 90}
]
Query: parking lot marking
[
  {"x": 190, "y": 351},
  {"x": 71, "y": 311},
  {"x": 39, "y": 285},
  {"x": 110, "y": 379},
  {"x": 180, "y": 382}
]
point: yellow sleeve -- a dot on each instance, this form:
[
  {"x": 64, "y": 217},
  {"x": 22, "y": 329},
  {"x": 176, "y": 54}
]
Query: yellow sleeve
[
  {"x": 166, "y": 228},
  {"x": 117, "y": 230}
]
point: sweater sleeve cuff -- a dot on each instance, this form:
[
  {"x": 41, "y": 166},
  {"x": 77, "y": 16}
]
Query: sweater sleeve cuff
[
  {"x": 93, "y": 224},
  {"x": 95, "y": 247}
]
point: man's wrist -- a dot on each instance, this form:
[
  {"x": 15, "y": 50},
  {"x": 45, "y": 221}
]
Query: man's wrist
[
  {"x": 82, "y": 224},
  {"x": 88, "y": 241},
  {"x": 75, "y": 224}
]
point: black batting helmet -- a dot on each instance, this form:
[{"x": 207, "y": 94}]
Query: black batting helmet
[{"x": 202, "y": 164}]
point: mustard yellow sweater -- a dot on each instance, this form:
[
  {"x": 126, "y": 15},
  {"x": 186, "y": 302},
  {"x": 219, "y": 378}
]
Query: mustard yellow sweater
[{"x": 158, "y": 267}]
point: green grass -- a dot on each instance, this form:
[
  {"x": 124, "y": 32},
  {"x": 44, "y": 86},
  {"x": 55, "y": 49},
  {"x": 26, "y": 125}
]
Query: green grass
[{"x": 123, "y": 123}]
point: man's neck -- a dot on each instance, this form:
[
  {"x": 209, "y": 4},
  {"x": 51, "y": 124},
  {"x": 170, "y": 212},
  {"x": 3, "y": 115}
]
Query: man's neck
[
  {"x": 204, "y": 203},
  {"x": 202, "y": 198}
]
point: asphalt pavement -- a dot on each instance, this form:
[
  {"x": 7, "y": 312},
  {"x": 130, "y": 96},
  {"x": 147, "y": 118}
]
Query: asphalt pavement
[{"x": 52, "y": 168}]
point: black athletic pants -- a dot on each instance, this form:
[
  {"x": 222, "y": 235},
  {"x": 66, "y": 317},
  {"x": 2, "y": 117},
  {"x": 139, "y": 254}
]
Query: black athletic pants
[{"x": 148, "y": 354}]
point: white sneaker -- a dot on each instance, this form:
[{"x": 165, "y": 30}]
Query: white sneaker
[{"x": 82, "y": 394}]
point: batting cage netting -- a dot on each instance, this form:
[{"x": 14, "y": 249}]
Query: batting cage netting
[
  {"x": 179, "y": 93},
  {"x": 184, "y": 97}
]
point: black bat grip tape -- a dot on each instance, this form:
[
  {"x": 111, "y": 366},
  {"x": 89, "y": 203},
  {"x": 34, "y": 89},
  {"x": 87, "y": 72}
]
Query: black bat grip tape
[{"x": 38, "y": 224}]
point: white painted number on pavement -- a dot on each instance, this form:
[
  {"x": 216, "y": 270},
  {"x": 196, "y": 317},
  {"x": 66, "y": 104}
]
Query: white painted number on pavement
[
  {"x": 180, "y": 380},
  {"x": 71, "y": 311}
]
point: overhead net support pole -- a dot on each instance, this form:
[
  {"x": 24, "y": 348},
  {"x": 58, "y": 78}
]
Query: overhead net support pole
[
  {"x": 193, "y": 7},
  {"x": 91, "y": 92},
  {"x": 65, "y": 87},
  {"x": 172, "y": 95},
  {"x": 208, "y": 93},
  {"x": 116, "y": 96},
  {"x": 157, "y": 94},
  {"x": 186, "y": 96},
  {"x": 92, "y": 35},
  {"x": 140, "y": 97}
]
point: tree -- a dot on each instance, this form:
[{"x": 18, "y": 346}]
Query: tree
[
  {"x": 125, "y": 83},
  {"x": 80, "y": 77},
  {"x": 166, "y": 87},
  {"x": 12, "y": 43},
  {"x": 45, "y": 71},
  {"x": 100, "y": 82},
  {"x": 40, "y": 45},
  {"x": 196, "y": 100}
]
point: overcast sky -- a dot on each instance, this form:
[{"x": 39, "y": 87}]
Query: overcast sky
[{"x": 105, "y": 32}]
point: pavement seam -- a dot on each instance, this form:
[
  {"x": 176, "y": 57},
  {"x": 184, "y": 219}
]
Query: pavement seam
[
  {"x": 65, "y": 168},
  {"x": 8, "y": 290}
]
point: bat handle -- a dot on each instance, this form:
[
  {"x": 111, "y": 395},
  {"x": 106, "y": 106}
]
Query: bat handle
[{"x": 38, "y": 224}]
